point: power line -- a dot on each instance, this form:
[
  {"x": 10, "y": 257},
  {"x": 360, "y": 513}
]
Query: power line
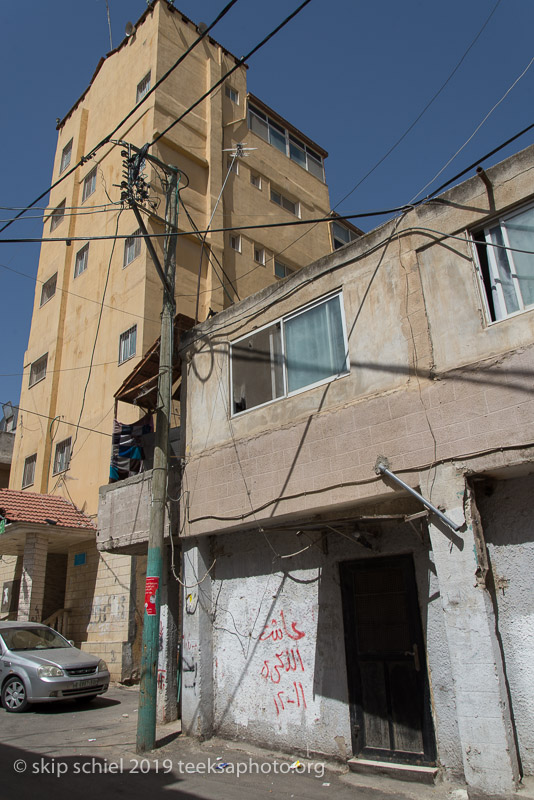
[
  {"x": 53, "y": 371},
  {"x": 72, "y": 450},
  {"x": 295, "y": 223},
  {"x": 240, "y": 63},
  {"x": 106, "y": 139},
  {"x": 62, "y": 421},
  {"x": 360, "y": 215},
  {"x": 425, "y": 109},
  {"x": 410, "y": 127},
  {"x": 477, "y": 128},
  {"x": 83, "y": 213},
  {"x": 79, "y": 296},
  {"x": 474, "y": 164}
]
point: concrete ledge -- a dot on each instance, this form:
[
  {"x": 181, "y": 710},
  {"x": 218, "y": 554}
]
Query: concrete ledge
[{"x": 402, "y": 772}]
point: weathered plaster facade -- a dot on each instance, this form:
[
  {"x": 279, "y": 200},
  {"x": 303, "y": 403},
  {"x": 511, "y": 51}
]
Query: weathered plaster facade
[
  {"x": 280, "y": 500},
  {"x": 66, "y": 325}
]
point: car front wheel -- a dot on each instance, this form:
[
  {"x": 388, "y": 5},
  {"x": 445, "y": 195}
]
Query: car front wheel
[{"x": 14, "y": 697}]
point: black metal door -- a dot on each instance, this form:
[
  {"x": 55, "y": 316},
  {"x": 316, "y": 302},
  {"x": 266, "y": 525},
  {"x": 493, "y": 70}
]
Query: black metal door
[{"x": 386, "y": 667}]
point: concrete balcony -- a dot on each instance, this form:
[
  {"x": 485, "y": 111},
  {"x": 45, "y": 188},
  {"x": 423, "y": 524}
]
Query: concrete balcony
[{"x": 124, "y": 513}]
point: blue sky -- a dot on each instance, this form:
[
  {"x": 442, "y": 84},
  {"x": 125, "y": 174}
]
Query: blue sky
[{"x": 352, "y": 75}]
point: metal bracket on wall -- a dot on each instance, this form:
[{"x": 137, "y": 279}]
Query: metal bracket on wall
[{"x": 382, "y": 468}]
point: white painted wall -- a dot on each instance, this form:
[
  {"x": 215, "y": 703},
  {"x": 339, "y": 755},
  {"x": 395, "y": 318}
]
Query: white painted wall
[
  {"x": 302, "y": 705},
  {"x": 509, "y": 530}
]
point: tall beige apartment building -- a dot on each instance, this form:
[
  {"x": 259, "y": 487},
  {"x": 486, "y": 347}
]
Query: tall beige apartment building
[{"x": 98, "y": 300}]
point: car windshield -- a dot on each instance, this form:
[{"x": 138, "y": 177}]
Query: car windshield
[{"x": 17, "y": 639}]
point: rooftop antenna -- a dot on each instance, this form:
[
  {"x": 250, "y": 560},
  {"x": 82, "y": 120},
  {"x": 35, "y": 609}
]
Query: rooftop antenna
[
  {"x": 239, "y": 150},
  {"x": 109, "y": 26},
  {"x": 129, "y": 29}
]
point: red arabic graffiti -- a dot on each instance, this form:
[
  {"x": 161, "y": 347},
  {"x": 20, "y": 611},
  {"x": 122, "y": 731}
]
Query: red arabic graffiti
[
  {"x": 277, "y": 633},
  {"x": 290, "y": 699},
  {"x": 288, "y": 661}
]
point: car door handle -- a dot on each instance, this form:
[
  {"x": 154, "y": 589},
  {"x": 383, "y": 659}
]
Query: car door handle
[{"x": 415, "y": 655}]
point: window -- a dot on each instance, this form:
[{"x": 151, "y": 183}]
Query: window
[
  {"x": 259, "y": 254},
  {"x": 282, "y": 270},
  {"x": 143, "y": 87},
  {"x": 89, "y": 185},
  {"x": 38, "y": 370},
  {"x": 57, "y": 216},
  {"x": 49, "y": 289},
  {"x": 132, "y": 247},
  {"x": 82, "y": 257},
  {"x": 255, "y": 180},
  {"x": 62, "y": 456},
  {"x": 28, "y": 476},
  {"x": 285, "y": 202},
  {"x": 127, "y": 344},
  {"x": 303, "y": 349},
  {"x": 274, "y": 133},
  {"x": 234, "y": 164},
  {"x": 235, "y": 242},
  {"x": 342, "y": 235},
  {"x": 65, "y": 157},
  {"x": 232, "y": 94},
  {"x": 507, "y": 275}
]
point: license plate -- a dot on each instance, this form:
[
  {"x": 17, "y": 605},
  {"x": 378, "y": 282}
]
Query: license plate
[{"x": 84, "y": 684}]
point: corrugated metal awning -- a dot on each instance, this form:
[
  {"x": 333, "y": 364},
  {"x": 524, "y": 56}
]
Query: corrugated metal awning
[{"x": 141, "y": 385}]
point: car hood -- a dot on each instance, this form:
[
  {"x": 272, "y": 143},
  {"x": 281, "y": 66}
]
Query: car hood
[{"x": 69, "y": 657}]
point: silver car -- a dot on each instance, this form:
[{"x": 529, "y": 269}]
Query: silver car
[{"x": 38, "y": 665}]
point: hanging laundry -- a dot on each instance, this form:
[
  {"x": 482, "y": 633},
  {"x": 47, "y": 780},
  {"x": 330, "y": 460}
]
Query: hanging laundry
[{"x": 127, "y": 456}]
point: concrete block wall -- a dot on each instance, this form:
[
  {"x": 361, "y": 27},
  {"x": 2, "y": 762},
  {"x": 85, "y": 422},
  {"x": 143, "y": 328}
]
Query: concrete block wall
[
  {"x": 98, "y": 597},
  {"x": 327, "y": 459}
]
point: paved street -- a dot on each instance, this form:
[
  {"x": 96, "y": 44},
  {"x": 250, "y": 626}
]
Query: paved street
[{"x": 80, "y": 750}]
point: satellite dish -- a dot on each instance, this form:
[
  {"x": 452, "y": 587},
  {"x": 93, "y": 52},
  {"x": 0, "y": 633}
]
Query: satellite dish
[
  {"x": 202, "y": 27},
  {"x": 130, "y": 29}
]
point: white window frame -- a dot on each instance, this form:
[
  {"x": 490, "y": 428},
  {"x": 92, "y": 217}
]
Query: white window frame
[
  {"x": 44, "y": 290},
  {"x": 234, "y": 164},
  {"x": 66, "y": 156},
  {"x": 89, "y": 184},
  {"x": 232, "y": 93},
  {"x": 38, "y": 370},
  {"x": 28, "y": 474},
  {"x": 285, "y": 202},
  {"x": 490, "y": 279},
  {"x": 62, "y": 456},
  {"x": 281, "y": 321},
  {"x": 82, "y": 260},
  {"x": 132, "y": 245},
  {"x": 125, "y": 344},
  {"x": 311, "y": 161},
  {"x": 143, "y": 87},
  {"x": 57, "y": 215},
  {"x": 259, "y": 254},
  {"x": 235, "y": 242},
  {"x": 287, "y": 270},
  {"x": 351, "y": 235}
]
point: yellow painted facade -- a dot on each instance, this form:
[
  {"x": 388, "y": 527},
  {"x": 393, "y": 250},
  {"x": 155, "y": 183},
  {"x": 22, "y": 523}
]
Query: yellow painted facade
[{"x": 99, "y": 296}]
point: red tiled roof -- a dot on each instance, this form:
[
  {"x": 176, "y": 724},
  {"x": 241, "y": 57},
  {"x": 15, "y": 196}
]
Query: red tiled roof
[{"x": 41, "y": 508}]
